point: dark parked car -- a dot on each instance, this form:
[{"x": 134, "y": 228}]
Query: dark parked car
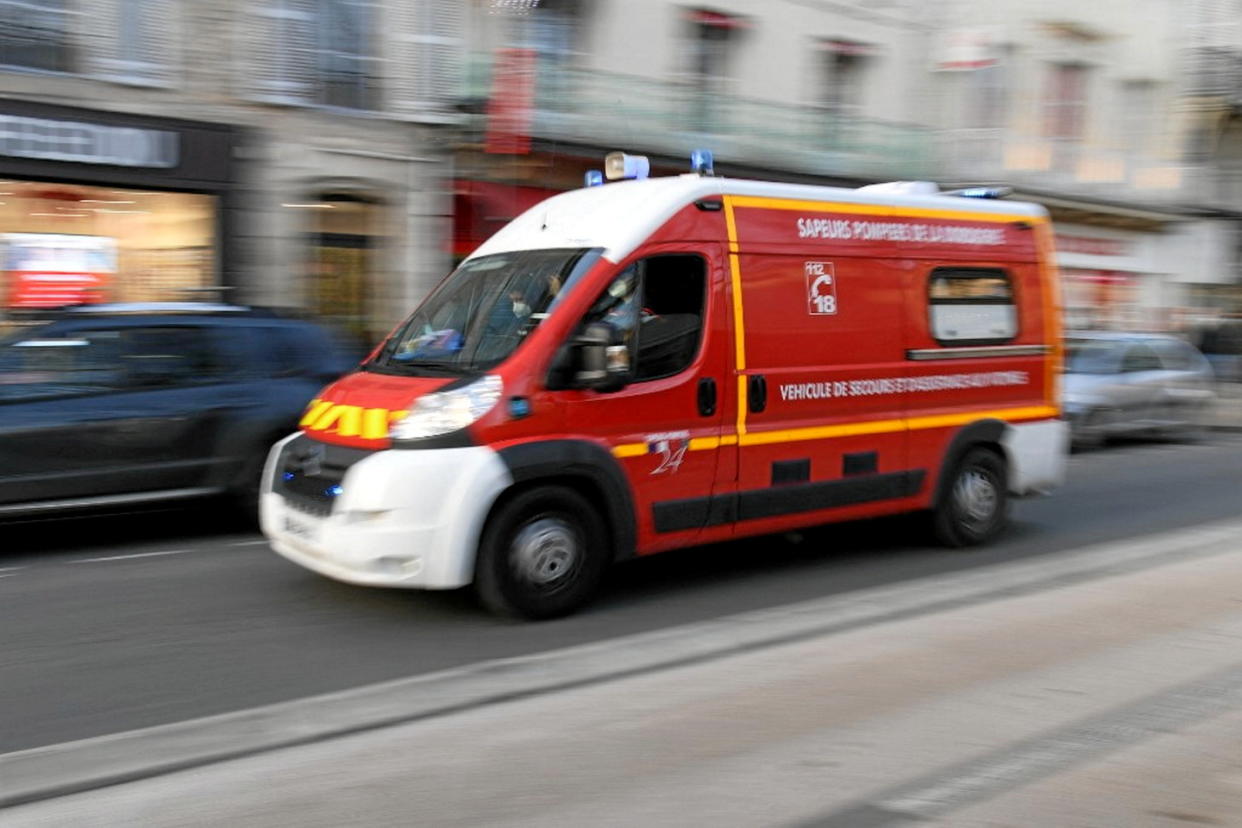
[{"x": 116, "y": 404}]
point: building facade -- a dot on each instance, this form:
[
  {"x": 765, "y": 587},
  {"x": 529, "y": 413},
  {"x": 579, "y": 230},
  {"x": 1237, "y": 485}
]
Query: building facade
[
  {"x": 1121, "y": 117},
  {"x": 336, "y": 155},
  {"x": 281, "y": 152}
]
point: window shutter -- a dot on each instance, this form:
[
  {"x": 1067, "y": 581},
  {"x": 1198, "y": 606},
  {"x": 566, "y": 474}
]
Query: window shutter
[
  {"x": 279, "y": 41},
  {"x": 137, "y": 42},
  {"x": 96, "y": 25},
  {"x": 427, "y": 48}
]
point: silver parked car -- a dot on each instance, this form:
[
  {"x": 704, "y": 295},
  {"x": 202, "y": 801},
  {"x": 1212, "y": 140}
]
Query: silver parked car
[{"x": 1133, "y": 383}]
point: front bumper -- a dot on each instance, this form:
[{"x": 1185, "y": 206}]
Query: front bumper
[{"x": 401, "y": 518}]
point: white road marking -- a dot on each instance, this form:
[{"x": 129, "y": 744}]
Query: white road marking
[
  {"x": 134, "y": 555},
  {"x": 262, "y": 542},
  {"x": 10, "y": 568}
]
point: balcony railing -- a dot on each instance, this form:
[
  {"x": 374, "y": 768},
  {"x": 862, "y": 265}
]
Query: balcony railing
[
  {"x": 671, "y": 117},
  {"x": 1079, "y": 169}
]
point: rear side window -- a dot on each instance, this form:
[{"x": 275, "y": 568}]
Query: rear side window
[
  {"x": 1176, "y": 356},
  {"x": 972, "y": 306}
]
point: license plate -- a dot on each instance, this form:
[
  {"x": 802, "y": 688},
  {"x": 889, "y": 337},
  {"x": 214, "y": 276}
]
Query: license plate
[{"x": 301, "y": 529}]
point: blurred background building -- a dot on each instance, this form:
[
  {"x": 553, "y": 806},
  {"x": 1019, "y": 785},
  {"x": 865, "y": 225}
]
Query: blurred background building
[{"x": 338, "y": 155}]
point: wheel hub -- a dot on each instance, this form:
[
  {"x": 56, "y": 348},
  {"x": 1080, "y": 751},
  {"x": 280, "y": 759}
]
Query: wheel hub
[
  {"x": 975, "y": 496},
  {"x": 545, "y": 551}
]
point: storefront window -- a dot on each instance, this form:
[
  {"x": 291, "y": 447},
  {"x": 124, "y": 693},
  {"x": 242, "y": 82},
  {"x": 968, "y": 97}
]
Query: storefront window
[
  {"x": 344, "y": 236},
  {"x": 66, "y": 244}
]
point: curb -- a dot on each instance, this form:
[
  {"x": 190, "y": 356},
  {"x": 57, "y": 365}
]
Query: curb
[{"x": 74, "y": 767}]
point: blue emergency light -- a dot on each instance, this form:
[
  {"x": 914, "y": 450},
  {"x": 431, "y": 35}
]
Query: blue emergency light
[
  {"x": 701, "y": 162},
  {"x": 593, "y": 178},
  {"x": 333, "y": 491},
  {"x": 983, "y": 192}
]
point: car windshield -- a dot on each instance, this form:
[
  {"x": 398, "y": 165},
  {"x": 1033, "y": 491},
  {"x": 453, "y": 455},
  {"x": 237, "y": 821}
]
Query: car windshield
[
  {"x": 482, "y": 312},
  {"x": 1087, "y": 356}
]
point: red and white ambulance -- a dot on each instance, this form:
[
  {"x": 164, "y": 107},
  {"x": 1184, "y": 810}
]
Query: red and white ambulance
[{"x": 655, "y": 363}]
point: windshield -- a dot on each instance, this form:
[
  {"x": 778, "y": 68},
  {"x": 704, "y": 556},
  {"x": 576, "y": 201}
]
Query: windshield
[
  {"x": 477, "y": 317},
  {"x": 1085, "y": 356}
]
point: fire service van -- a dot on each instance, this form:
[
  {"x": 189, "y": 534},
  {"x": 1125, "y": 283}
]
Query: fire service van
[{"x": 660, "y": 362}]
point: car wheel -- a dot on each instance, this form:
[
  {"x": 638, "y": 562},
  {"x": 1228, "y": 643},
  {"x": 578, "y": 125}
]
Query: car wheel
[
  {"x": 543, "y": 554},
  {"x": 974, "y": 503},
  {"x": 1089, "y": 432}
]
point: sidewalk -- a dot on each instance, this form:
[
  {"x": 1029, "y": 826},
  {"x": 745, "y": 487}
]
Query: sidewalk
[
  {"x": 929, "y": 700},
  {"x": 1227, "y": 412}
]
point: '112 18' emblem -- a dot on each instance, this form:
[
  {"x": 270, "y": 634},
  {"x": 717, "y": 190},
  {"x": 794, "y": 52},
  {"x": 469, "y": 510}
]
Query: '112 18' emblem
[{"x": 821, "y": 289}]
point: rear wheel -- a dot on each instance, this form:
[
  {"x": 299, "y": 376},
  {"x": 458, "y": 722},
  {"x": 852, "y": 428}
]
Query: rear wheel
[
  {"x": 974, "y": 503},
  {"x": 543, "y": 554}
]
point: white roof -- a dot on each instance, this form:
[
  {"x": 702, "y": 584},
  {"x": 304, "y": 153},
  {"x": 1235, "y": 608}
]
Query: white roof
[{"x": 619, "y": 216}]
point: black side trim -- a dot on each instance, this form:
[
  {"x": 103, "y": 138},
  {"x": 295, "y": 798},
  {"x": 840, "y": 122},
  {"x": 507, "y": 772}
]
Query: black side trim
[
  {"x": 791, "y": 471},
  {"x": 862, "y": 462},
  {"x": 699, "y": 512},
  {"x": 810, "y": 497},
  {"x": 577, "y": 458},
  {"x": 983, "y": 431},
  {"x": 691, "y": 513}
]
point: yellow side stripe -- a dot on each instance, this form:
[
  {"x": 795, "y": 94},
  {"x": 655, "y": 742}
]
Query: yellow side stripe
[
  {"x": 793, "y": 435},
  {"x": 875, "y": 210}
]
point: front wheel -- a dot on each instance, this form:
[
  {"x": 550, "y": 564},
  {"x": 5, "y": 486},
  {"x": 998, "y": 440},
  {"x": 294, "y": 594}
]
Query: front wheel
[
  {"x": 543, "y": 554},
  {"x": 973, "y": 506}
]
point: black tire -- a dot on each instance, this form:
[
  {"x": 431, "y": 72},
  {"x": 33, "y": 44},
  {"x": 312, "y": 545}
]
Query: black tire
[
  {"x": 249, "y": 482},
  {"x": 1090, "y": 435},
  {"x": 974, "y": 504},
  {"x": 542, "y": 555}
]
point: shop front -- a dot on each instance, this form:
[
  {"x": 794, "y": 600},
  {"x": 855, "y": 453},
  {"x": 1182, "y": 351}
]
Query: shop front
[{"x": 109, "y": 207}]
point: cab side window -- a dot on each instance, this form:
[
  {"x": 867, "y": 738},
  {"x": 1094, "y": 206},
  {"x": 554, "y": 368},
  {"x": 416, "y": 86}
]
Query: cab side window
[
  {"x": 972, "y": 306},
  {"x": 656, "y": 308}
]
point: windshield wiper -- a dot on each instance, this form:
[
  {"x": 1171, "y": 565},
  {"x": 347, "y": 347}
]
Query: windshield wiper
[{"x": 391, "y": 366}]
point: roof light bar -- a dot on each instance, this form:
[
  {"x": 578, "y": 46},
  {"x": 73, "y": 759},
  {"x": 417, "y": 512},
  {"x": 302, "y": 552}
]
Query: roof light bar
[{"x": 619, "y": 165}]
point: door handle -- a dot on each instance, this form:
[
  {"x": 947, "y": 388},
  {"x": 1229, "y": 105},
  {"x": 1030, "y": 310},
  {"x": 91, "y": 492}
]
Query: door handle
[
  {"x": 707, "y": 396},
  {"x": 757, "y": 393}
]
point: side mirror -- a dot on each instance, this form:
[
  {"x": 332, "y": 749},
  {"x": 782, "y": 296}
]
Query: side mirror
[{"x": 603, "y": 364}]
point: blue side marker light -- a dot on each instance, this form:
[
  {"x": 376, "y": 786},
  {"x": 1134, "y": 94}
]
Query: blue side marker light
[
  {"x": 983, "y": 192},
  {"x": 288, "y": 475},
  {"x": 519, "y": 407},
  {"x": 333, "y": 491},
  {"x": 702, "y": 162},
  {"x": 593, "y": 178}
]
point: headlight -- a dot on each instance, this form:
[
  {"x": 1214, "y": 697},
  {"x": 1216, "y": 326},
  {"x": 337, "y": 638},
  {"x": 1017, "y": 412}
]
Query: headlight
[{"x": 444, "y": 411}]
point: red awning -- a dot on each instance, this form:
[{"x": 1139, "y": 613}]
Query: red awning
[
  {"x": 848, "y": 47},
  {"x": 717, "y": 20},
  {"x": 480, "y": 208}
]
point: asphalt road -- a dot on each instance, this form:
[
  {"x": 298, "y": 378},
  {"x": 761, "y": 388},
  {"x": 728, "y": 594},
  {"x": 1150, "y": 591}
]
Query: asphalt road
[{"x": 119, "y": 622}]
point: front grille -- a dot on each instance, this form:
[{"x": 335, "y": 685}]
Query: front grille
[{"x": 309, "y": 474}]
